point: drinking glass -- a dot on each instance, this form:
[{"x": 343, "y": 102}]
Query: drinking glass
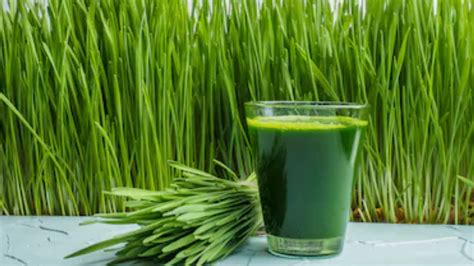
[{"x": 305, "y": 155}]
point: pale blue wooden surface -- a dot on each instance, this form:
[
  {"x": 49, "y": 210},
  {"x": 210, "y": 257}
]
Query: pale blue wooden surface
[{"x": 46, "y": 240}]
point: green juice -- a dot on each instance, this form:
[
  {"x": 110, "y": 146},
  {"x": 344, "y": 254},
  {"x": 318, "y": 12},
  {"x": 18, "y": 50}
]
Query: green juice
[{"x": 305, "y": 167}]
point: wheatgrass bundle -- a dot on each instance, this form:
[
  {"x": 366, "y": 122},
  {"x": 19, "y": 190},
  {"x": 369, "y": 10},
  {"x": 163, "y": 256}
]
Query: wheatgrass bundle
[{"x": 198, "y": 219}]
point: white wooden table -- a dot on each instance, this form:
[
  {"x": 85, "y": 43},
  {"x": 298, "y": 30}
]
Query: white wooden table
[{"x": 46, "y": 240}]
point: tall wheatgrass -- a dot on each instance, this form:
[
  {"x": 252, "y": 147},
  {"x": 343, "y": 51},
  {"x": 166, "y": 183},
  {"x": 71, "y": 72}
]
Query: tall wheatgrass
[{"x": 100, "y": 94}]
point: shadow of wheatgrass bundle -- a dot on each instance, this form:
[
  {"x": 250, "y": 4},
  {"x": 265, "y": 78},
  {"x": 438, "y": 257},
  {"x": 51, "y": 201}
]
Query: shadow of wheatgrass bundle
[{"x": 198, "y": 219}]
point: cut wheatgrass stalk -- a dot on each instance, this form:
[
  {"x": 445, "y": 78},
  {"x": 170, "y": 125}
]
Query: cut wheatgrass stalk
[{"x": 200, "y": 218}]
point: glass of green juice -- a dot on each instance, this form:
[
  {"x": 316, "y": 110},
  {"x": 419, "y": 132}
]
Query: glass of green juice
[{"x": 305, "y": 156}]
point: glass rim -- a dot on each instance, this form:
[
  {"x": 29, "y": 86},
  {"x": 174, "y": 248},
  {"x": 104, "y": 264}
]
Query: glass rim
[{"x": 307, "y": 104}]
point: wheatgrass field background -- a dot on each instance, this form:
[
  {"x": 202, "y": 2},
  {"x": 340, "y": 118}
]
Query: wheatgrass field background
[{"x": 101, "y": 94}]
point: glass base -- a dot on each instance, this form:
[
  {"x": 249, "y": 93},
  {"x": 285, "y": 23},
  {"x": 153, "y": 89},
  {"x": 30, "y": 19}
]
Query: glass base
[{"x": 291, "y": 247}]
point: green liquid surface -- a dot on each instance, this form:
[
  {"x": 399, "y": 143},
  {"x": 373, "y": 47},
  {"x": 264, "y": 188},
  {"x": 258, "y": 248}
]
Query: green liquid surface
[{"x": 305, "y": 167}]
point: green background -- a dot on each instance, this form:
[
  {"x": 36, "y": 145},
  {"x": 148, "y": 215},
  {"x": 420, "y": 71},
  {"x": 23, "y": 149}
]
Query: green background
[{"x": 100, "y": 94}]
